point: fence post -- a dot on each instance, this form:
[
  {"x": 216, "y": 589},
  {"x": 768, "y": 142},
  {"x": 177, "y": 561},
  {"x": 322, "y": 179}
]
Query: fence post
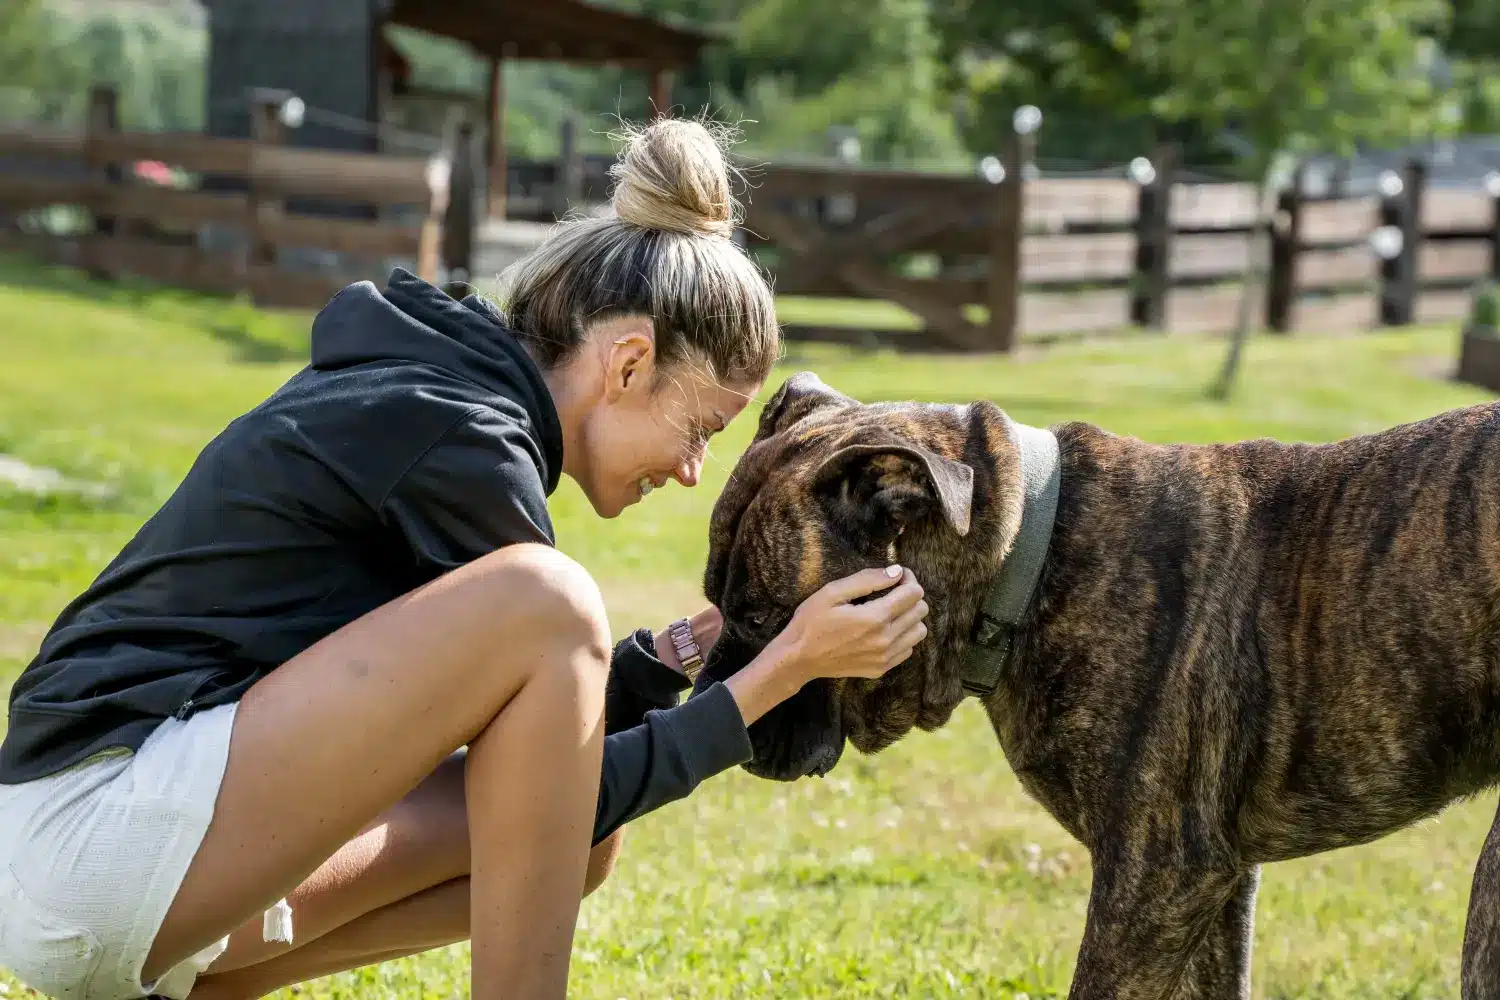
[
  {"x": 1286, "y": 240},
  {"x": 265, "y": 130},
  {"x": 458, "y": 216},
  {"x": 1004, "y": 293},
  {"x": 496, "y": 155},
  {"x": 1153, "y": 241},
  {"x": 567, "y": 189},
  {"x": 1402, "y": 208},
  {"x": 1492, "y": 187},
  {"x": 103, "y": 120}
]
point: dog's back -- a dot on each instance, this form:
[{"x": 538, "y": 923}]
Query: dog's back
[{"x": 1301, "y": 640}]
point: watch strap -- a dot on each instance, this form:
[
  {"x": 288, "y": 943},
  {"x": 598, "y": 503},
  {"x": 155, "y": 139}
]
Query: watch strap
[{"x": 689, "y": 656}]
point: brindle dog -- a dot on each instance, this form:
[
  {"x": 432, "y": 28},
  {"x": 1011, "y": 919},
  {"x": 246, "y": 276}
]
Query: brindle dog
[{"x": 1235, "y": 654}]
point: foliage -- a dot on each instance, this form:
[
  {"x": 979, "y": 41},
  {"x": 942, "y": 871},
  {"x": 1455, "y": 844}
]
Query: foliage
[
  {"x": 1114, "y": 75},
  {"x": 1484, "y": 309},
  {"x": 153, "y": 55},
  {"x": 1472, "y": 45},
  {"x": 1074, "y": 59},
  {"x": 869, "y": 65},
  {"x": 21, "y": 39},
  {"x": 1286, "y": 73}
]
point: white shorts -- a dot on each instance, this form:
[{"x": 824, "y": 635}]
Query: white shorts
[{"x": 92, "y": 857}]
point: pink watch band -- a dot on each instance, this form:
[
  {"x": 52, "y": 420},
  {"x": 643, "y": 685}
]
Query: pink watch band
[{"x": 688, "y": 654}]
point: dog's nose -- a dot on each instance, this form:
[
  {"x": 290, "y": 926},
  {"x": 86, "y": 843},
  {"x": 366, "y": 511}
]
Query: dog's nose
[
  {"x": 782, "y": 764},
  {"x": 822, "y": 761}
]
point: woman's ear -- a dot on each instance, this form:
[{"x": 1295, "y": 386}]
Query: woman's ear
[{"x": 630, "y": 356}]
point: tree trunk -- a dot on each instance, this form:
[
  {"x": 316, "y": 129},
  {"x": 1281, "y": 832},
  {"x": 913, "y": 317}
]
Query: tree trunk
[{"x": 1256, "y": 265}]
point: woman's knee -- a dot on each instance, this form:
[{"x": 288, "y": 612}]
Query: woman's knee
[{"x": 551, "y": 599}]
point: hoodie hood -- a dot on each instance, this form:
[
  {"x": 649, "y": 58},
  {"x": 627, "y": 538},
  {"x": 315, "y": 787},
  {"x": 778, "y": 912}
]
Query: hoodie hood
[{"x": 416, "y": 322}]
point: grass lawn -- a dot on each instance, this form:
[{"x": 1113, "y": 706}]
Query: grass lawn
[{"x": 922, "y": 872}]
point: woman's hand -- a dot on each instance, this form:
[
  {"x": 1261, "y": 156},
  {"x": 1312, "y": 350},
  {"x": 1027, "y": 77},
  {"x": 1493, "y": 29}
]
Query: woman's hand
[{"x": 830, "y": 636}]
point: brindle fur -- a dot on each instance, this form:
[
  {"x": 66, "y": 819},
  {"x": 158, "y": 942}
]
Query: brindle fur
[{"x": 1236, "y": 653}]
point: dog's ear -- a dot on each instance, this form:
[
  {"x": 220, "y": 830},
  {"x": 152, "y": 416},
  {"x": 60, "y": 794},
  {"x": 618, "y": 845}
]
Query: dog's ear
[
  {"x": 798, "y": 396},
  {"x": 884, "y": 486}
]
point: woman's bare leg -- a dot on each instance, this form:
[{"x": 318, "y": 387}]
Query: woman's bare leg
[
  {"x": 432, "y": 918},
  {"x": 420, "y": 843},
  {"x": 508, "y": 655}
]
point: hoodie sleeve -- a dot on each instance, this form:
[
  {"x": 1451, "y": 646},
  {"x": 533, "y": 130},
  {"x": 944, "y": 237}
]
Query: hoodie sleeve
[{"x": 656, "y": 751}]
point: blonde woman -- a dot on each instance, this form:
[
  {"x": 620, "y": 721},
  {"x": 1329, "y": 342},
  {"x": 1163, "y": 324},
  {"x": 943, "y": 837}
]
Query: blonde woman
[{"x": 341, "y": 700}]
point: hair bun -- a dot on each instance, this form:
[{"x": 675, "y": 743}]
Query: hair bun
[{"x": 673, "y": 176}]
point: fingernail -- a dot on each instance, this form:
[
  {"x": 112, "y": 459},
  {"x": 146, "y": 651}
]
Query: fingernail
[{"x": 893, "y": 571}]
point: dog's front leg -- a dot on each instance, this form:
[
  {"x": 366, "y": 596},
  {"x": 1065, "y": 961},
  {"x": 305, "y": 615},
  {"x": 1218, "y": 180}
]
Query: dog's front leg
[
  {"x": 1481, "y": 965},
  {"x": 1149, "y": 912},
  {"x": 1220, "y": 967}
]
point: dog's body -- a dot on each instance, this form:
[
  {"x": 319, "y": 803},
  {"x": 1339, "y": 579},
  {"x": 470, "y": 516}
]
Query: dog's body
[{"x": 1235, "y": 654}]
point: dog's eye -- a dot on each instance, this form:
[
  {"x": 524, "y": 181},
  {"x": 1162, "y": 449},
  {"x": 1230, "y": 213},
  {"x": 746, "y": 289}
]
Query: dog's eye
[{"x": 756, "y": 621}]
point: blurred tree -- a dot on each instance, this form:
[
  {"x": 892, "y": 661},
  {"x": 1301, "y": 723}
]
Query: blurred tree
[
  {"x": 1074, "y": 59},
  {"x": 869, "y": 65},
  {"x": 1286, "y": 75},
  {"x": 36, "y": 77},
  {"x": 22, "y": 41},
  {"x": 1473, "y": 42},
  {"x": 50, "y": 54}
]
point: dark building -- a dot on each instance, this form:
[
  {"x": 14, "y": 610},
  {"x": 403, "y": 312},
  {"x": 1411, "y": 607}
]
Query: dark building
[{"x": 324, "y": 52}]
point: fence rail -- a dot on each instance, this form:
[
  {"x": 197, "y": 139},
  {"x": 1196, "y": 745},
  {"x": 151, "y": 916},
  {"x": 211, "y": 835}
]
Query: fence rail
[
  {"x": 1018, "y": 259},
  {"x": 289, "y": 227}
]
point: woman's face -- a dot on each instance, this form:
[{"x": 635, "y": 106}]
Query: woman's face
[{"x": 644, "y": 426}]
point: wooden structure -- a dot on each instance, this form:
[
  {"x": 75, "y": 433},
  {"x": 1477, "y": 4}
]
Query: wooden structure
[
  {"x": 984, "y": 266},
  {"x": 333, "y": 55},
  {"x": 1006, "y": 260},
  {"x": 155, "y": 231}
]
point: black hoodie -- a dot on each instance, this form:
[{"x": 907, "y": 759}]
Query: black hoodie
[{"x": 420, "y": 437}]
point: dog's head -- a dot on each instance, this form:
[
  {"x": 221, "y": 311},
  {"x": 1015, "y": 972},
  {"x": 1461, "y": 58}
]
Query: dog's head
[{"x": 829, "y": 487}]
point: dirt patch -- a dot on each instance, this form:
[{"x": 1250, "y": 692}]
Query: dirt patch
[
  {"x": 1440, "y": 367},
  {"x": 42, "y": 481}
]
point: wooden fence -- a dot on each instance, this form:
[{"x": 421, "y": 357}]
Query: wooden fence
[
  {"x": 288, "y": 227},
  {"x": 985, "y": 266}
]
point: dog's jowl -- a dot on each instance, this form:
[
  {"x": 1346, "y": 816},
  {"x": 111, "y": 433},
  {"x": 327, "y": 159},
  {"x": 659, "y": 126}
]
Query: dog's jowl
[{"x": 1227, "y": 655}]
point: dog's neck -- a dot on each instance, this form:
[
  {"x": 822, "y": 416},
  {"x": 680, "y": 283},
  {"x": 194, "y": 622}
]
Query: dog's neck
[{"x": 1010, "y": 592}]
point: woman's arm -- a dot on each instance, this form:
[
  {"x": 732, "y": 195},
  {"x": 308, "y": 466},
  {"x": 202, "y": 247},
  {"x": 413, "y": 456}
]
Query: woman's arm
[{"x": 674, "y": 749}]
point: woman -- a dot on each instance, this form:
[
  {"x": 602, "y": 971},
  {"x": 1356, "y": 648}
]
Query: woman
[{"x": 235, "y": 762}]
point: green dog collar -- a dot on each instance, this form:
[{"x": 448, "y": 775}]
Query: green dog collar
[{"x": 993, "y": 637}]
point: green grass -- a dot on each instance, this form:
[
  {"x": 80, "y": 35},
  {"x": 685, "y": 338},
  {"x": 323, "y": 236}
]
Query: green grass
[{"x": 922, "y": 872}]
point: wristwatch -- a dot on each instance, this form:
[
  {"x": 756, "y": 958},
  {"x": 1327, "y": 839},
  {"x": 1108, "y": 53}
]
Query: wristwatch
[{"x": 681, "y": 634}]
